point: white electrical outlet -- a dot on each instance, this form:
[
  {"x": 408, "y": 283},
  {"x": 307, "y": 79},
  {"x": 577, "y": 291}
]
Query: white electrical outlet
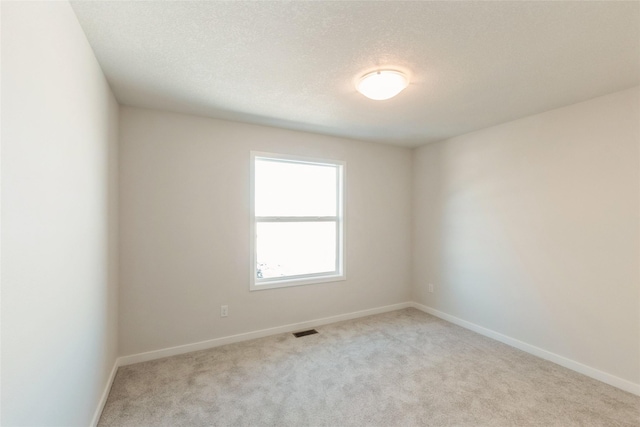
[
  {"x": 224, "y": 310},
  {"x": 431, "y": 287}
]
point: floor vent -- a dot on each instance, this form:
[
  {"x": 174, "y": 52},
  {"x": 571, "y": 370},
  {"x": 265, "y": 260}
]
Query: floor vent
[{"x": 305, "y": 333}]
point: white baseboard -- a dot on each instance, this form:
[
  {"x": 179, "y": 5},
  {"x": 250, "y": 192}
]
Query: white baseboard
[
  {"x": 536, "y": 351},
  {"x": 203, "y": 345},
  {"x": 105, "y": 394}
]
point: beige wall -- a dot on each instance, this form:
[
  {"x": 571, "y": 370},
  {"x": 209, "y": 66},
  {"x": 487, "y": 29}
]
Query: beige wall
[
  {"x": 59, "y": 219},
  {"x": 531, "y": 229},
  {"x": 184, "y": 189}
]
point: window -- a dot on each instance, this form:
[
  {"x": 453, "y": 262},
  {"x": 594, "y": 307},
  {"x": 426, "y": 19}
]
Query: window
[{"x": 297, "y": 221}]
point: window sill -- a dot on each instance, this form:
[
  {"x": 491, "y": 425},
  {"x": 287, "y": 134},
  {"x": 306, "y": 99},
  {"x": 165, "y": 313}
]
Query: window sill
[{"x": 285, "y": 283}]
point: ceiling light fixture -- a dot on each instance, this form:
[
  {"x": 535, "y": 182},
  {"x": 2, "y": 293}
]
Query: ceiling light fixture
[{"x": 382, "y": 84}]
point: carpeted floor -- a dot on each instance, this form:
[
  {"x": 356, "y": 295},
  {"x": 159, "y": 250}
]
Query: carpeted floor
[{"x": 403, "y": 368}]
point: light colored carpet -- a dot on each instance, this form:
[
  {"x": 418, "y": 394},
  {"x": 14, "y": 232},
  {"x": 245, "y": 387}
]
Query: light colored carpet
[{"x": 403, "y": 368}]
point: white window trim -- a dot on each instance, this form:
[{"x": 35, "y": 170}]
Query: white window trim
[{"x": 256, "y": 284}]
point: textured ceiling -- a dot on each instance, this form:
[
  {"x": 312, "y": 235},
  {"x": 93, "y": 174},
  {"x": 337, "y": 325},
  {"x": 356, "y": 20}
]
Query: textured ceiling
[{"x": 294, "y": 64}]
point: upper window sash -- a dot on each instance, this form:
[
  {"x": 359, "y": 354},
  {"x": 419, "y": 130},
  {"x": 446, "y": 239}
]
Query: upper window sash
[{"x": 314, "y": 193}]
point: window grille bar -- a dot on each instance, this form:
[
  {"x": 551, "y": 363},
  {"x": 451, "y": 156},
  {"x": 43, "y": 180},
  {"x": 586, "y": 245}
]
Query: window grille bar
[{"x": 297, "y": 219}]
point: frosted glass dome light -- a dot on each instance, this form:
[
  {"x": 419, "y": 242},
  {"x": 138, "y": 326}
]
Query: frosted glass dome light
[{"x": 383, "y": 84}]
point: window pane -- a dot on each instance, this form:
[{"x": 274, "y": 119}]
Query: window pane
[
  {"x": 294, "y": 189},
  {"x": 294, "y": 248}
]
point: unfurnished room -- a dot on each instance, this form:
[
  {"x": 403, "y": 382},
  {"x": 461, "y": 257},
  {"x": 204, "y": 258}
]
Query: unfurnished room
[{"x": 320, "y": 213}]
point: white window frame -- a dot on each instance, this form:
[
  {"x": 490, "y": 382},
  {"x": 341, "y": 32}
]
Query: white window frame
[{"x": 255, "y": 283}]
